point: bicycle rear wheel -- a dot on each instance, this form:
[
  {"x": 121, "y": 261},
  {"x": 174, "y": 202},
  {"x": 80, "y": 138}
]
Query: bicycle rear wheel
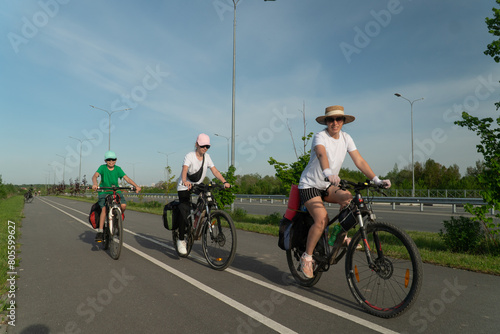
[
  {"x": 116, "y": 239},
  {"x": 189, "y": 240},
  {"x": 219, "y": 240},
  {"x": 293, "y": 259},
  {"x": 391, "y": 287}
]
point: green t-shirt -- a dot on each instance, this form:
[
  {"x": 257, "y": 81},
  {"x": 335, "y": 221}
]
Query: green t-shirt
[{"x": 110, "y": 178}]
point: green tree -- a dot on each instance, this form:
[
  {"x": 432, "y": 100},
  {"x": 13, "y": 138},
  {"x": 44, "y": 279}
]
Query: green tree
[
  {"x": 489, "y": 147},
  {"x": 226, "y": 197},
  {"x": 290, "y": 173}
]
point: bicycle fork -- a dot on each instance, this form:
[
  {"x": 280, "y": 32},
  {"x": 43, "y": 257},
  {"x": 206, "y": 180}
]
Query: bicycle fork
[
  {"x": 364, "y": 236},
  {"x": 110, "y": 218}
]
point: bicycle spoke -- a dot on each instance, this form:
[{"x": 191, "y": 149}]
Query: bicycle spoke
[{"x": 389, "y": 287}]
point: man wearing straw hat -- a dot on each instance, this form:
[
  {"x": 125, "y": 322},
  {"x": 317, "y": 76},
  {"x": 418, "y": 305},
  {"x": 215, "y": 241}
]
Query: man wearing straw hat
[{"x": 328, "y": 151}]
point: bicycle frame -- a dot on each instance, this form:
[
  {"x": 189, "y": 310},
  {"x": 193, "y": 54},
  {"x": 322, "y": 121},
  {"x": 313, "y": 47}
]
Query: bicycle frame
[
  {"x": 205, "y": 201},
  {"x": 112, "y": 201},
  {"x": 360, "y": 205}
]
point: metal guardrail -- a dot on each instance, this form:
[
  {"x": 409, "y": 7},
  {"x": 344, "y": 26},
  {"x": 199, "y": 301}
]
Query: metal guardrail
[
  {"x": 429, "y": 201},
  {"x": 393, "y": 201}
]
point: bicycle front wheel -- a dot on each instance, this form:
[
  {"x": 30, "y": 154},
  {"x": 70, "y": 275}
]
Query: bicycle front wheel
[
  {"x": 392, "y": 285},
  {"x": 116, "y": 239},
  {"x": 219, "y": 240}
]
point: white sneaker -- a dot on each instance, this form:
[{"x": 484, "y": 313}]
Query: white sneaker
[{"x": 181, "y": 247}]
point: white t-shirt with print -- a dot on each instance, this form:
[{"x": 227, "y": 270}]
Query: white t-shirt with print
[
  {"x": 336, "y": 149},
  {"x": 194, "y": 165}
]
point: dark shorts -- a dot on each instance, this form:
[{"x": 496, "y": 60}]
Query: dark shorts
[
  {"x": 308, "y": 193},
  {"x": 102, "y": 199}
]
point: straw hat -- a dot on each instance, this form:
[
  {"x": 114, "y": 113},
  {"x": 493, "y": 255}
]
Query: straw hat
[{"x": 334, "y": 111}]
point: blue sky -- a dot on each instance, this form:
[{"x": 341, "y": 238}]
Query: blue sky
[{"x": 171, "y": 62}]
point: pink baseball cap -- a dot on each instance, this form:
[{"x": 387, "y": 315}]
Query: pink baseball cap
[{"x": 203, "y": 139}]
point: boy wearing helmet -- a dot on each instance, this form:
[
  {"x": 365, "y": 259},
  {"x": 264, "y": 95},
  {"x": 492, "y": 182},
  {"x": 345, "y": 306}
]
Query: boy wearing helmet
[{"x": 110, "y": 173}]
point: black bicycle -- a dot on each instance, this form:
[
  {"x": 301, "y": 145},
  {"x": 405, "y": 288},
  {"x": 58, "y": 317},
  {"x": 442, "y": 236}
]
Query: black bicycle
[
  {"x": 383, "y": 266},
  {"x": 113, "y": 224},
  {"x": 215, "y": 228}
]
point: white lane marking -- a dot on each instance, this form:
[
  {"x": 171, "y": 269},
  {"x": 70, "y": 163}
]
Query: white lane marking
[
  {"x": 229, "y": 301},
  {"x": 314, "y": 303},
  {"x": 301, "y": 298}
]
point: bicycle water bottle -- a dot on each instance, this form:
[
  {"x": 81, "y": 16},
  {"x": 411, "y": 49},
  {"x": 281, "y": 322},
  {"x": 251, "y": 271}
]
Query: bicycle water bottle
[{"x": 335, "y": 231}]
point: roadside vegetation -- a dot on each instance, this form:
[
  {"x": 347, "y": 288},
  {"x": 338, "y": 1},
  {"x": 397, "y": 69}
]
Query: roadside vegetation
[{"x": 11, "y": 207}]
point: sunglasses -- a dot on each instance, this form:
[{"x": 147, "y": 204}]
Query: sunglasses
[
  {"x": 332, "y": 119},
  {"x": 110, "y": 159},
  {"x": 205, "y": 146}
]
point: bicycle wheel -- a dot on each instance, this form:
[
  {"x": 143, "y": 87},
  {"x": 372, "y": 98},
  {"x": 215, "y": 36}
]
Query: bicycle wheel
[
  {"x": 189, "y": 241},
  {"x": 219, "y": 240},
  {"x": 116, "y": 239},
  {"x": 391, "y": 287},
  {"x": 293, "y": 259}
]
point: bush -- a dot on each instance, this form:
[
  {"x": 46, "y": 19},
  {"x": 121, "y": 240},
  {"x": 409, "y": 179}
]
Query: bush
[
  {"x": 274, "y": 218},
  {"x": 239, "y": 214},
  {"x": 462, "y": 234}
]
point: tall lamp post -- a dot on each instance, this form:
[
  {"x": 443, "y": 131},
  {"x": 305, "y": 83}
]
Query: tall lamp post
[
  {"x": 412, "y": 157},
  {"x": 80, "y": 167},
  {"x": 64, "y": 168},
  {"x": 235, "y": 3},
  {"x": 109, "y": 122},
  {"x": 227, "y": 138}
]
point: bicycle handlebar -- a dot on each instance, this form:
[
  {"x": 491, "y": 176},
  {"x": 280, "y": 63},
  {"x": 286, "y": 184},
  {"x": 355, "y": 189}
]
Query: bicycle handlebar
[{"x": 205, "y": 187}]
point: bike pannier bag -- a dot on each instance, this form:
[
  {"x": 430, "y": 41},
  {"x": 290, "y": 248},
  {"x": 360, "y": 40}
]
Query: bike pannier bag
[
  {"x": 284, "y": 237},
  {"x": 171, "y": 215},
  {"x": 302, "y": 222},
  {"x": 95, "y": 214},
  {"x": 346, "y": 218}
]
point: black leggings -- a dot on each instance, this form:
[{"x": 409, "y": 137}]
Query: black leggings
[{"x": 185, "y": 210}]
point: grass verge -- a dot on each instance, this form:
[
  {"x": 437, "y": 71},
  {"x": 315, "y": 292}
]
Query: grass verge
[{"x": 10, "y": 216}]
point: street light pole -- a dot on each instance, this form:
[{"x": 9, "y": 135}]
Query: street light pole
[
  {"x": 80, "y": 167},
  {"x": 227, "y": 138},
  {"x": 235, "y": 2},
  {"x": 64, "y": 167},
  {"x": 109, "y": 122},
  {"x": 412, "y": 157}
]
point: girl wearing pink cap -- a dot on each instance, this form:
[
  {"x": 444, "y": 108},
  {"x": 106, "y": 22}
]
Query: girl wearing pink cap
[{"x": 194, "y": 170}]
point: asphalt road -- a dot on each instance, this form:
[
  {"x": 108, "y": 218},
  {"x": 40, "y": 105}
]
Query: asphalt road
[{"x": 66, "y": 284}]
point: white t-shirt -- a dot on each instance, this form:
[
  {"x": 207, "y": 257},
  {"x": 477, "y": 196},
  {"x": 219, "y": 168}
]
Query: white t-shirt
[
  {"x": 194, "y": 165},
  {"x": 336, "y": 149}
]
